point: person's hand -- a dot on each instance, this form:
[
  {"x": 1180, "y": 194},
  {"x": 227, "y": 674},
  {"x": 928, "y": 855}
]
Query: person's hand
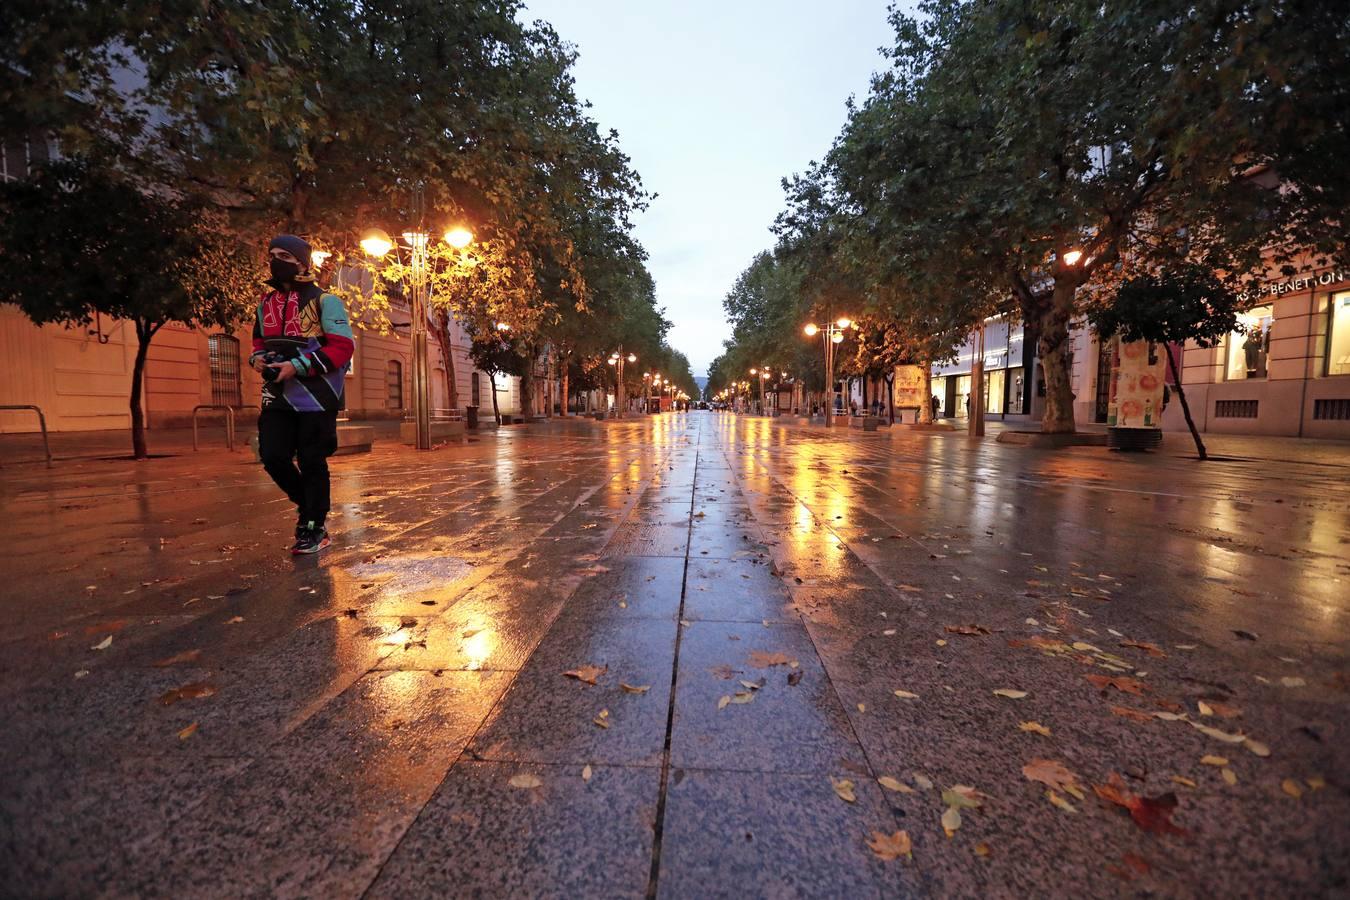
[
  {"x": 285, "y": 370},
  {"x": 258, "y": 363}
]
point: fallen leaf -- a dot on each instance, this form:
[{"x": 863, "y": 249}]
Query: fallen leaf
[
  {"x": 1057, "y": 800},
  {"x": 194, "y": 691},
  {"x": 844, "y": 788},
  {"x": 962, "y": 796},
  {"x": 1228, "y": 775},
  {"x": 894, "y": 784},
  {"x": 794, "y": 678},
  {"x": 862, "y": 707},
  {"x": 982, "y": 849},
  {"x": 951, "y": 820},
  {"x": 1291, "y": 682},
  {"x": 965, "y": 629},
  {"x": 103, "y": 644},
  {"x": 586, "y": 773},
  {"x": 1316, "y": 783},
  {"x": 184, "y": 657},
  {"x": 635, "y": 689},
  {"x": 1150, "y": 649},
  {"x": 724, "y": 672},
  {"x": 1153, "y": 814},
  {"x": 1125, "y": 685},
  {"x": 188, "y": 731},
  {"x": 235, "y": 621},
  {"x": 586, "y": 674},
  {"x": 1213, "y": 760},
  {"x": 1010, "y": 693},
  {"x": 1244, "y": 635},
  {"x": 1256, "y": 747},
  {"x": 1184, "y": 782},
  {"x": 923, "y": 781},
  {"x": 753, "y": 685},
  {"x": 1137, "y": 715},
  {"x": 1291, "y": 787},
  {"x": 1050, "y": 772},
  {"x": 1034, "y": 727},
  {"x": 890, "y": 847},
  {"x": 603, "y": 719},
  {"x": 1217, "y": 734},
  {"x": 525, "y": 780},
  {"x": 743, "y": 697},
  {"x": 762, "y": 660},
  {"x": 905, "y": 695},
  {"x": 723, "y": 701},
  {"x": 81, "y": 673}
]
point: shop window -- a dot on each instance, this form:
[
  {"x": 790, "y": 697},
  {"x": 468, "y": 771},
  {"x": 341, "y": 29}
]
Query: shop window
[
  {"x": 995, "y": 383},
  {"x": 223, "y": 351},
  {"x": 395, "y": 385},
  {"x": 1247, "y": 350},
  {"x": 1338, "y": 335}
]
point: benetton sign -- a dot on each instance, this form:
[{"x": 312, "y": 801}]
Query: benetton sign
[{"x": 1293, "y": 285}]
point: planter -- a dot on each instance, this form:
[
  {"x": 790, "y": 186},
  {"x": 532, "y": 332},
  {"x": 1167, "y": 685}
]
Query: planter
[{"x": 1133, "y": 439}]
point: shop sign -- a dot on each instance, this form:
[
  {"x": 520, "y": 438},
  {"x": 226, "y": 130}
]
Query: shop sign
[{"x": 1293, "y": 285}]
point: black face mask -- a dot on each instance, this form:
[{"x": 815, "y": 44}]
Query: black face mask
[{"x": 284, "y": 271}]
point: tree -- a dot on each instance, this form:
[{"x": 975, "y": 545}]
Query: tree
[
  {"x": 75, "y": 243},
  {"x": 1172, "y": 306},
  {"x": 494, "y": 354}
]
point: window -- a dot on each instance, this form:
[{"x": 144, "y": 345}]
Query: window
[
  {"x": 394, "y": 381},
  {"x": 1338, "y": 335},
  {"x": 18, "y": 155},
  {"x": 1235, "y": 409},
  {"x": 1248, "y": 349},
  {"x": 223, "y": 351},
  {"x": 475, "y": 390}
]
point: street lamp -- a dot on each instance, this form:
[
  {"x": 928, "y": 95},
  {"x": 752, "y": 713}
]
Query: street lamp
[
  {"x": 831, "y": 334},
  {"x": 1072, "y": 257},
  {"x": 617, "y": 359},
  {"x": 376, "y": 243}
]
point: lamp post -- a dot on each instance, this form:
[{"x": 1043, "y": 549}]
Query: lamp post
[
  {"x": 831, "y": 334},
  {"x": 377, "y": 244},
  {"x": 617, "y": 359}
]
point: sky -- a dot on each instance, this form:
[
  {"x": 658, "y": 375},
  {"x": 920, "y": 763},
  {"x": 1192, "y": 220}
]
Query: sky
[{"x": 716, "y": 102}]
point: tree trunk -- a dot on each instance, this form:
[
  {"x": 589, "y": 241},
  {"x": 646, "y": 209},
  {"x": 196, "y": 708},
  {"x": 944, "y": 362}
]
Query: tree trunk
[
  {"x": 492, "y": 386},
  {"x": 1185, "y": 407},
  {"x": 442, "y": 332},
  {"x": 890, "y": 398},
  {"x": 527, "y": 389},
  {"x": 1053, "y": 350},
  {"x": 926, "y": 407},
  {"x": 145, "y": 332},
  {"x": 565, "y": 387}
]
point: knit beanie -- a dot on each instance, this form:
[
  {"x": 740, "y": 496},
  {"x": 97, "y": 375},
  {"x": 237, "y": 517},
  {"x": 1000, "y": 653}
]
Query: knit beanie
[{"x": 295, "y": 246}]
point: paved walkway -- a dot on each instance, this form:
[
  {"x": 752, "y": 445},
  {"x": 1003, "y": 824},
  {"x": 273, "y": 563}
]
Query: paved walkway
[{"x": 799, "y": 641}]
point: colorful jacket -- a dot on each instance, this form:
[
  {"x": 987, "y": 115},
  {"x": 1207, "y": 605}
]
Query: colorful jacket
[{"x": 310, "y": 329}]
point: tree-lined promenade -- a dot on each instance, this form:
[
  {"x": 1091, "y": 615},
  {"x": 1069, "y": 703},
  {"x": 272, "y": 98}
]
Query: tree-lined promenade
[
  {"x": 219, "y": 124},
  {"x": 1033, "y": 159}
]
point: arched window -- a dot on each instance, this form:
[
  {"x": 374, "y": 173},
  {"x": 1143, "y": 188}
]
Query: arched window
[
  {"x": 223, "y": 351},
  {"x": 475, "y": 390},
  {"x": 395, "y": 383}
]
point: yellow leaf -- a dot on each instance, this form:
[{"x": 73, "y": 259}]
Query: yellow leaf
[
  {"x": 1010, "y": 693},
  {"x": 894, "y": 784},
  {"x": 1035, "y": 727},
  {"x": 889, "y": 847},
  {"x": 1316, "y": 783},
  {"x": 743, "y": 697},
  {"x": 188, "y": 732},
  {"x": 862, "y": 707},
  {"x": 1205, "y": 708},
  {"x": 1050, "y": 772},
  {"x": 1214, "y": 760},
  {"x": 844, "y": 788},
  {"x": 1219, "y": 735},
  {"x": 982, "y": 849},
  {"x": 923, "y": 781},
  {"x": 1256, "y": 747},
  {"x": 1184, "y": 782},
  {"x": 635, "y": 689},
  {"x": 586, "y": 774},
  {"x": 1290, "y": 787},
  {"x": 603, "y": 723},
  {"x": 1228, "y": 775},
  {"x": 1059, "y": 801},
  {"x": 723, "y": 701},
  {"x": 951, "y": 820},
  {"x": 525, "y": 780},
  {"x": 103, "y": 644},
  {"x": 905, "y": 695}
]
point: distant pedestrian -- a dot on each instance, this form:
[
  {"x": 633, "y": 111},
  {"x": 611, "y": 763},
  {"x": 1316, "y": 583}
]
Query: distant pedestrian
[
  {"x": 937, "y": 406},
  {"x": 302, "y": 346}
]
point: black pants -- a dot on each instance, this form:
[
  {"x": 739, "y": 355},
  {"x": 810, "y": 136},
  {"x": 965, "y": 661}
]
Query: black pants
[{"x": 286, "y": 437}]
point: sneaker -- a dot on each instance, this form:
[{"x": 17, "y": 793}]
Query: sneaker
[{"x": 311, "y": 539}]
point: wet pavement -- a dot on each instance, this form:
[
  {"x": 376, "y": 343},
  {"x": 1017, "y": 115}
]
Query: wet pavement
[{"x": 1127, "y": 675}]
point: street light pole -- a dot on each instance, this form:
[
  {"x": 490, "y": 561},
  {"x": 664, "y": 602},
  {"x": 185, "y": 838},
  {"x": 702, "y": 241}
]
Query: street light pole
[
  {"x": 976, "y": 423},
  {"x": 421, "y": 381}
]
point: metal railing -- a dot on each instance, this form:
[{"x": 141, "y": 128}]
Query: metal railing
[
  {"x": 42, "y": 424},
  {"x": 229, "y": 423}
]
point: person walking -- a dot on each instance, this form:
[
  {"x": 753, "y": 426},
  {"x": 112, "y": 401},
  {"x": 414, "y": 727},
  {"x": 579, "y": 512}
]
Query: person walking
[{"x": 302, "y": 346}]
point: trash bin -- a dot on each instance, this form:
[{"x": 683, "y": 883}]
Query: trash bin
[{"x": 471, "y": 416}]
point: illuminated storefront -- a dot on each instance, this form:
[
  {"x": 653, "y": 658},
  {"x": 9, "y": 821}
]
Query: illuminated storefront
[{"x": 1005, "y": 375}]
